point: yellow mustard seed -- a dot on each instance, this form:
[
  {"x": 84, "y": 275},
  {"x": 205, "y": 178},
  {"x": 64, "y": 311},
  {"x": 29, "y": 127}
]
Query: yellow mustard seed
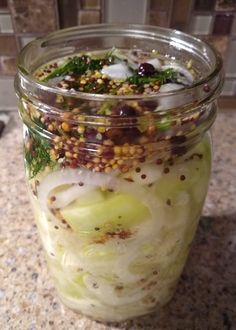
[
  {"x": 76, "y": 110},
  {"x": 57, "y": 139},
  {"x": 97, "y": 74},
  {"x": 139, "y": 151},
  {"x": 89, "y": 165},
  {"x": 120, "y": 161},
  {"x": 82, "y": 81},
  {"x": 117, "y": 150},
  {"x": 50, "y": 127},
  {"x": 101, "y": 129},
  {"x": 68, "y": 154},
  {"x": 104, "y": 160},
  {"x": 114, "y": 167},
  {"x": 108, "y": 169},
  {"x": 99, "y": 150},
  {"x": 81, "y": 118},
  {"x": 81, "y": 129},
  {"x": 59, "y": 99},
  {"x": 108, "y": 143},
  {"x": 76, "y": 150},
  {"x": 125, "y": 150},
  {"x": 112, "y": 162},
  {"x": 96, "y": 160},
  {"x": 100, "y": 81},
  {"x": 65, "y": 126},
  {"x": 132, "y": 150}
]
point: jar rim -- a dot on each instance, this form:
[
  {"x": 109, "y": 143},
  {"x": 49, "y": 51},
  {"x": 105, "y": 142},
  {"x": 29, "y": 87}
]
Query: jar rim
[{"x": 147, "y": 31}]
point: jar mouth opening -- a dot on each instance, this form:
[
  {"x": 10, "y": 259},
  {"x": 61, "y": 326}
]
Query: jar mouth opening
[{"x": 175, "y": 38}]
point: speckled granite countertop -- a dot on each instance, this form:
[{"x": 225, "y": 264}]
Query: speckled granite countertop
[{"x": 206, "y": 295}]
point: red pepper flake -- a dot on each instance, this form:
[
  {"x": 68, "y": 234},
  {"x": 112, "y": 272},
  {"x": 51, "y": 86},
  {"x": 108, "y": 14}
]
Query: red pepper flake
[
  {"x": 182, "y": 177},
  {"x": 143, "y": 176},
  {"x": 166, "y": 170}
]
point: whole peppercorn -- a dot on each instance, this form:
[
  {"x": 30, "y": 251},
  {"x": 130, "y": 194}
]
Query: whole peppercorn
[
  {"x": 146, "y": 69},
  {"x": 148, "y": 105},
  {"x": 206, "y": 88},
  {"x": 124, "y": 111}
]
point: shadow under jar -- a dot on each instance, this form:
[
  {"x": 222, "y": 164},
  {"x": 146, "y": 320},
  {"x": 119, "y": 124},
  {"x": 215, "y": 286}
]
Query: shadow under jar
[{"x": 117, "y": 182}]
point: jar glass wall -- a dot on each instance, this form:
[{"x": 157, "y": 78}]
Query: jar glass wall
[{"x": 117, "y": 200}]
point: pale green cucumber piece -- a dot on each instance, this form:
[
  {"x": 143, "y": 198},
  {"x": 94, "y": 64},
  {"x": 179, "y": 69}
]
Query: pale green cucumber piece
[
  {"x": 119, "y": 211},
  {"x": 91, "y": 197},
  {"x": 195, "y": 171}
]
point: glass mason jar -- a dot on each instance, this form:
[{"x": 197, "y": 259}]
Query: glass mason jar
[{"x": 117, "y": 199}]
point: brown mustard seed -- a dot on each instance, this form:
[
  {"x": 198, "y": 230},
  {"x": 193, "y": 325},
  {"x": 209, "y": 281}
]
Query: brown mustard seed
[
  {"x": 168, "y": 202},
  {"x": 138, "y": 169},
  {"x": 81, "y": 184},
  {"x": 182, "y": 177},
  {"x": 143, "y": 176},
  {"x": 159, "y": 161},
  {"x": 166, "y": 170},
  {"x": 52, "y": 198}
]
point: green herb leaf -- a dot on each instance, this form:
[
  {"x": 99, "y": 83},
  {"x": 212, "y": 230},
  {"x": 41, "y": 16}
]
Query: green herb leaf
[
  {"x": 162, "y": 77},
  {"x": 77, "y": 65},
  {"x": 164, "y": 123},
  {"x": 37, "y": 156}
]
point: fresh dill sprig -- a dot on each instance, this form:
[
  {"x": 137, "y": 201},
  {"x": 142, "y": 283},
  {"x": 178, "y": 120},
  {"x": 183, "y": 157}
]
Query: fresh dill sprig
[
  {"x": 77, "y": 65},
  {"x": 163, "y": 77},
  {"x": 37, "y": 154}
]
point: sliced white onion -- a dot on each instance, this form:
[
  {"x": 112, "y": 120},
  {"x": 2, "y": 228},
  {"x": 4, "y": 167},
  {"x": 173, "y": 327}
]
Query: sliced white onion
[
  {"x": 129, "y": 57},
  {"x": 117, "y": 71},
  {"x": 179, "y": 69},
  {"x": 170, "y": 87},
  {"x": 70, "y": 176},
  {"x": 67, "y": 196},
  {"x": 141, "y": 194},
  {"x": 148, "y": 173},
  {"x": 106, "y": 292},
  {"x": 155, "y": 62},
  {"x": 173, "y": 101}
]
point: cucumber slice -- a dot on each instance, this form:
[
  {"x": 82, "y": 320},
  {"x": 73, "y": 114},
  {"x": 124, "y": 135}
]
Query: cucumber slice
[{"x": 120, "y": 211}]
